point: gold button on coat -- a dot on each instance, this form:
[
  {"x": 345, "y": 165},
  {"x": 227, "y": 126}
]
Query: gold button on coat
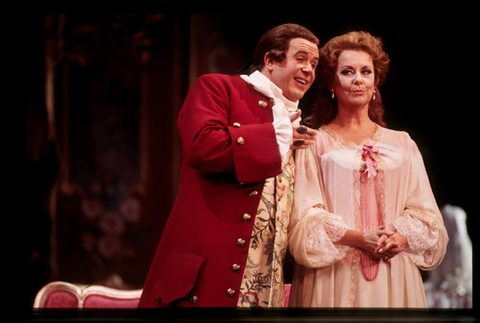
[
  {"x": 236, "y": 124},
  {"x": 253, "y": 193},
  {"x": 262, "y": 104},
  {"x": 194, "y": 299},
  {"x": 236, "y": 268},
  {"x": 240, "y": 141},
  {"x": 240, "y": 242},
  {"x": 247, "y": 217},
  {"x": 230, "y": 292}
]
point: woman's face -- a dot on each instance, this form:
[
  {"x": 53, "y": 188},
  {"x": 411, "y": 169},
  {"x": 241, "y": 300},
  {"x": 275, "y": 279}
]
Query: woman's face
[{"x": 354, "y": 81}]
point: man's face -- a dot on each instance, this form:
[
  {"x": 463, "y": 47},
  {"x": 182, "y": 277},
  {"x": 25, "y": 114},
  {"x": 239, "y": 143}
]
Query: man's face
[{"x": 296, "y": 73}]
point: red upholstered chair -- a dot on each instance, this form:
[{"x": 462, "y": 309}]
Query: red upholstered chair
[
  {"x": 287, "y": 294},
  {"x": 65, "y": 295}
]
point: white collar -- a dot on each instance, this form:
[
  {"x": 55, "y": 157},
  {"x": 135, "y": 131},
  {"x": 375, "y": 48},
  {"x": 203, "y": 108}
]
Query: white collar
[{"x": 265, "y": 86}]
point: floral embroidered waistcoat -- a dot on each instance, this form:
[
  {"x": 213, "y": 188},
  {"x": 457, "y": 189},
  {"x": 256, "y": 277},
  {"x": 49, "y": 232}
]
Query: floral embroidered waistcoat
[{"x": 262, "y": 284}]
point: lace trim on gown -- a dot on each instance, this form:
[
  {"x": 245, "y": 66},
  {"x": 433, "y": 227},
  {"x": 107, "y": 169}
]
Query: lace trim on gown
[
  {"x": 420, "y": 236},
  {"x": 321, "y": 238},
  {"x": 378, "y": 191},
  {"x": 377, "y": 135}
]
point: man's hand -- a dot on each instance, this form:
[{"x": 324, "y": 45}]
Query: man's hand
[{"x": 302, "y": 136}]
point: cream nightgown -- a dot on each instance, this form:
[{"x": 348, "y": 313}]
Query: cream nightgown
[{"x": 337, "y": 184}]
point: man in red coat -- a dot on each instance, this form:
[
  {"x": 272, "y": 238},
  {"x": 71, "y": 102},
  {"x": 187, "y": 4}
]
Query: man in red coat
[{"x": 236, "y": 133}]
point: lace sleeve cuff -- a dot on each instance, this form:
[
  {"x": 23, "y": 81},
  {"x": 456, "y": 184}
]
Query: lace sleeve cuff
[
  {"x": 321, "y": 238},
  {"x": 334, "y": 230},
  {"x": 422, "y": 238}
]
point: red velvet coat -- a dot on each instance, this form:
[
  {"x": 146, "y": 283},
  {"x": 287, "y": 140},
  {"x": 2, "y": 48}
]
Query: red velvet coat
[{"x": 229, "y": 148}]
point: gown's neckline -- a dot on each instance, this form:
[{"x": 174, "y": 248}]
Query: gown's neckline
[{"x": 350, "y": 144}]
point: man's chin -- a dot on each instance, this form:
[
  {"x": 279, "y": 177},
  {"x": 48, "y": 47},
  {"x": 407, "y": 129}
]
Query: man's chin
[{"x": 296, "y": 96}]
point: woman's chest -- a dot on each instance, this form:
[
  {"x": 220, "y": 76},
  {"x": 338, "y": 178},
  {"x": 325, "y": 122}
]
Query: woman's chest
[{"x": 358, "y": 158}]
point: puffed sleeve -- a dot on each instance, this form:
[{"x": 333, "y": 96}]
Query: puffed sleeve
[
  {"x": 212, "y": 145},
  {"x": 313, "y": 230},
  {"x": 421, "y": 221}
]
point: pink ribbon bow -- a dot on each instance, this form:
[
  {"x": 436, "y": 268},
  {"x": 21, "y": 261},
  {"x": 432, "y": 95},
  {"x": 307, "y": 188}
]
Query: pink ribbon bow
[{"x": 368, "y": 154}]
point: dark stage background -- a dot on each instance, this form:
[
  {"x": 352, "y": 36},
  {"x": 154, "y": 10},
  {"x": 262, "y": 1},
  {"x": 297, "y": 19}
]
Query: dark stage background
[{"x": 104, "y": 91}]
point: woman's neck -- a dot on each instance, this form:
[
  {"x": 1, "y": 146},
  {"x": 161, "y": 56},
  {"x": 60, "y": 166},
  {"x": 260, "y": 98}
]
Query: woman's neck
[
  {"x": 353, "y": 124},
  {"x": 352, "y": 118}
]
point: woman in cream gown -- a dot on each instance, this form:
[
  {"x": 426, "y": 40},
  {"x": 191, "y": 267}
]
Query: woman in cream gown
[{"x": 365, "y": 218}]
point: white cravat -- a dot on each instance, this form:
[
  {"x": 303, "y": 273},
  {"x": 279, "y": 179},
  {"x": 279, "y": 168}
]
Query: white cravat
[{"x": 282, "y": 109}]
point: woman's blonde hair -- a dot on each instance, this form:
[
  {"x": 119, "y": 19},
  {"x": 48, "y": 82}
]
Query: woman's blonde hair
[{"x": 326, "y": 107}]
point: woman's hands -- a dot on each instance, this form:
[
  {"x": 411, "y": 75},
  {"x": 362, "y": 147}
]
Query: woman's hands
[
  {"x": 383, "y": 244},
  {"x": 390, "y": 246},
  {"x": 372, "y": 240}
]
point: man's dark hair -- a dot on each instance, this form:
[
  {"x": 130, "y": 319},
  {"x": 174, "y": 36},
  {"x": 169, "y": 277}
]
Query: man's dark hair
[{"x": 276, "y": 41}]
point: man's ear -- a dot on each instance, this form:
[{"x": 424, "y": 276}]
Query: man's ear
[{"x": 268, "y": 61}]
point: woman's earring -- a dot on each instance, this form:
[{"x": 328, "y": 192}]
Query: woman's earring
[
  {"x": 333, "y": 95},
  {"x": 374, "y": 91}
]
